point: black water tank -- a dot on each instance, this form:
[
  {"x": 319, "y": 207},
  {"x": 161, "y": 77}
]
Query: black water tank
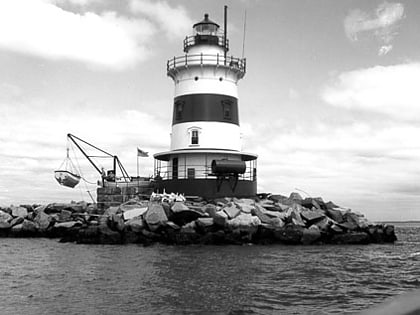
[{"x": 228, "y": 167}]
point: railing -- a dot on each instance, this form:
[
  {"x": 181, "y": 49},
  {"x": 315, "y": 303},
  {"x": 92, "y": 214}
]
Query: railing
[
  {"x": 204, "y": 39},
  {"x": 236, "y": 64},
  {"x": 200, "y": 172}
]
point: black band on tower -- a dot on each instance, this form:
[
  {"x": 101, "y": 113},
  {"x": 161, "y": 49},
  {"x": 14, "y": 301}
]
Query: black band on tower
[{"x": 205, "y": 107}]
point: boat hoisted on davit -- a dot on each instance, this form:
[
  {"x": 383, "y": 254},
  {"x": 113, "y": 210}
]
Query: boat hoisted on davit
[{"x": 66, "y": 175}]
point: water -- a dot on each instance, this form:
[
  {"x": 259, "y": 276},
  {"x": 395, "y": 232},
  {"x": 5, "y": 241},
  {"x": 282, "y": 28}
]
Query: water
[{"x": 42, "y": 276}]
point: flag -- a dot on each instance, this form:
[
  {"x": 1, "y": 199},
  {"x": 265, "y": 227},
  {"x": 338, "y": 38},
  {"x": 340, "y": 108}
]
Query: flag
[{"x": 142, "y": 153}]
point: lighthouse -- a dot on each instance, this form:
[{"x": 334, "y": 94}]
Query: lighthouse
[{"x": 205, "y": 157}]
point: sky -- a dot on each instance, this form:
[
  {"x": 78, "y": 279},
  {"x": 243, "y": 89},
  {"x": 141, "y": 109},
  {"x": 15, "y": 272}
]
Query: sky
[{"x": 330, "y": 101}]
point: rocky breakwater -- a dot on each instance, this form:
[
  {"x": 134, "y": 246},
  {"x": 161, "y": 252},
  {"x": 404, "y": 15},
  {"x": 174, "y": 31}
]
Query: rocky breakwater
[{"x": 170, "y": 219}]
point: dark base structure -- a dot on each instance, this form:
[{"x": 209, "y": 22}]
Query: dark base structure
[{"x": 209, "y": 188}]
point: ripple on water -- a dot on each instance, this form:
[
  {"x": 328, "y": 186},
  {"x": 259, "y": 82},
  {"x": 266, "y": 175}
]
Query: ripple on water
[{"x": 43, "y": 276}]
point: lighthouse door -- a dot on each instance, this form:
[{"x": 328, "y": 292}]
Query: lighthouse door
[{"x": 175, "y": 168}]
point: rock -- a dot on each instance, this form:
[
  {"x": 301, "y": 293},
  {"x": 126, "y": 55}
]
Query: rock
[
  {"x": 112, "y": 210},
  {"x": 389, "y": 232},
  {"x": 134, "y": 212},
  {"x": 351, "y": 238},
  {"x": 275, "y": 223},
  {"x": 17, "y": 229},
  {"x": 205, "y": 222},
  {"x": 295, "y": 215},
  {"x": 310, "y": 235},
  {"x": 29, "y": 227},
  {"x": 117, "y": 222},
  {"x": 259, "y": 211},
  {"x": 43, "y": 221},
  {"x": 188, "y": 228},
  {"x": 16, "y": 221},
  {"x": 210, "y": 209},
  {"x": 67, "y": 225},
  {"x": 19, "y": 212},
  {"x": 244, "y": 222},
  {"x": 312, "y": 215},
  {"x": 232, "y": 211},
  {"x": 5, "y": 217},
  {"x": 64, "y": 215},
  {"x": 136, "y": 224},
  {"x": 295, "y": 197},
  {"x": 155, "y": 216},
  {"x": 356, "y": 219},
  {"x": 336, "y": 229},
  {"x": 336, "y": 214},
  {"x": 179, "y": 207},
  {"x": 290, "y": 234},
  {"x": 331, "y": 205},
  {"x": 4, "y": 225},
  {"x": 277, "y": 198},
  {"x": 183, "y": 217},
  {"x": 348, "y": 226},
  {"x": 132, "y": 204},
  {"x": 310, "y": 203},
  {"x": 220, "y": 218},
  {"x": 172, "y": 225}
]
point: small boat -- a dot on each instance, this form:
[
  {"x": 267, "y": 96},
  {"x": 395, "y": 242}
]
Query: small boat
[
  {"x": 66, "y": 174},
  {"x": 67, "y": 178}
]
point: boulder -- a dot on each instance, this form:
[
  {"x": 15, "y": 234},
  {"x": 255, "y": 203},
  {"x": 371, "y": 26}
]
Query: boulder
[
  {"x": 183, "y": 217},
  {"x": 310, "y": 235},
  {"x": 232, "y": 211},
  {"x": 295, "y": 197},
  {"x": 336, "y": 214},
  {"x": 189, "y": 228},
  {"x": 389, "y": 233},
  {"x": 43, "y": 221},
  {"x": 310, "y": 203},
  {"x": 289, "y": 234},
  {"x": 155, "y": 216},
  {"x": 295, "y": 215},
  {"x": 4, "y": 225},
  {"x": 29, "y": 227},
  {"x": 220, "y": 218},
  {"x": 135, "y": 224},
  {"x": 17, "y": 229},
  {"x": 117, "y": 222},
  {"x": 5, "y": 217},
  {"x": 19, "y": 212},
  {"x": 356, "y": 219},
  {"x": 260, "y": 212},
  {"x": 312, "y": 215},
  {"x": 16, "y": 221},
  {"x": 112, "y": 210},
  {"x": 64, "y": 215},
  {"x": 277, "y": 198},
  {"x": 210, "y": 209},
  {"x": 134, "y": 212},
  {"x": 179, "y": 207},
  {"x": 244, "y": 222}
]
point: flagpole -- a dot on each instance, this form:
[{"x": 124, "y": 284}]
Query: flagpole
[{"x": 138, "y": 179}]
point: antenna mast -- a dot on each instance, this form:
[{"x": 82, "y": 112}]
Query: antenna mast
[
  {"x": 225, "y": 33},
  {"x": 243, "y": 40}
]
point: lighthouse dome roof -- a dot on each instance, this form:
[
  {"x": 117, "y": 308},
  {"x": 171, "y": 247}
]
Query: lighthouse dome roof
[{"x": 206, "y": 21}]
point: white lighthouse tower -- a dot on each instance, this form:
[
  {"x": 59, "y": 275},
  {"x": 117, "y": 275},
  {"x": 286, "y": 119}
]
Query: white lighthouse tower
[{"x": 206, "y": 157}]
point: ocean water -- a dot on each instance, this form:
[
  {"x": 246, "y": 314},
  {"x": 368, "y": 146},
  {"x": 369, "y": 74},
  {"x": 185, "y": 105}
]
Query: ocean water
[{"x": 43, "y": 276}]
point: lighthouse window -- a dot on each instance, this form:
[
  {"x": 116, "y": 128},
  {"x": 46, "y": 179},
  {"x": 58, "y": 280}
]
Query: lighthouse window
[
  {"x": 194, "y": 137},
  {"x": 227, "y": 110},
  {"x": 179, "y": 106}
]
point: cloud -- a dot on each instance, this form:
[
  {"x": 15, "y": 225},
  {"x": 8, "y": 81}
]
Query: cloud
[
  {"x": 382, "y": 25},
  {"x": 174, "y": 21},
  {"x": 31, "y": 149},
  {"x": 106, "y": 40},
  {"x": 389, "y": 90}
]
